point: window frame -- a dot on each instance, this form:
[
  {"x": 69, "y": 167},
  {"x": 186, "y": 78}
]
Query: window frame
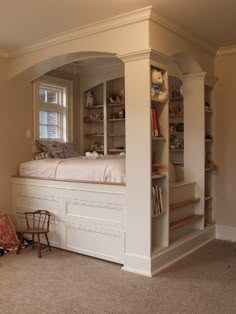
[{"x": 65, "y": 111}]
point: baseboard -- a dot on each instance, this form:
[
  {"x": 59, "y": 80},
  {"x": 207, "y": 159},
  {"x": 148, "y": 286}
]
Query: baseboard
[
  {"x": 226, "y": 233},
  {"x": 181, "y": 249},
  {"x": 137, "y": 264}
]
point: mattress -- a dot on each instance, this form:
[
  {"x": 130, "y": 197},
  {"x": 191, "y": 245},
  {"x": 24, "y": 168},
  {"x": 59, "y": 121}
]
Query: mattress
[{"x": 109, "y": 169}]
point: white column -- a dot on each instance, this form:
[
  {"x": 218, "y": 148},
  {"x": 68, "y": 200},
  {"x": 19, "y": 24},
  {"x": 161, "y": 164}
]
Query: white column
[{"x": 138, "y": 164}]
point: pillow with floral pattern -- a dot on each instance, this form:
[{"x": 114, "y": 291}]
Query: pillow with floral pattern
[
  {"x": 8, "y": 237},
  {"x": 57, "y": 149}
]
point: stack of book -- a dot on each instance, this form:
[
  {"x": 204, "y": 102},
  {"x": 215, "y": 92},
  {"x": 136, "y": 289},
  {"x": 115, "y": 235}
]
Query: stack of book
[
  {"x": 157, "y": 205},
  {"x": 156, "y": 130}
]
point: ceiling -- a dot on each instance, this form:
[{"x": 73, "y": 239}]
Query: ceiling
[{"x": 25, "y": 22}]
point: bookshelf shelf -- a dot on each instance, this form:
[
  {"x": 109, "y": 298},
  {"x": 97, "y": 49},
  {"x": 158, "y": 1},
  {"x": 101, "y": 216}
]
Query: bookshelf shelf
[
  {"x": 180, "y": 115},
  {"x": 158, "y": 176},
  {"x": 112, "y": 135},
  {"x": 178, "y": 98},
  {"x": 93, "y": 121},
  {"x": 94, "y": 135},
  {"x": 93, "y": 107},
  {"x": 116, "y": 120},
  {"x": 158, "y": 215},
  {"x": 116, "y": 149},
  {"x": 158, "y": 138},
  {"x": 178, "y": 163},
  {"x": 116, "y": 105},
  {"x": 176, "y": 150}
]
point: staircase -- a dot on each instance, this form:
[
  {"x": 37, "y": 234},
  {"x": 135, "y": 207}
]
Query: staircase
[{"x": 185, "y": 215}]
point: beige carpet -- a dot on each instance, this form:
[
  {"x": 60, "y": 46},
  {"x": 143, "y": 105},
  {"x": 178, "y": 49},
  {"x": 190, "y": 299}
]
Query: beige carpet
[{"x": 65, "y": 282}]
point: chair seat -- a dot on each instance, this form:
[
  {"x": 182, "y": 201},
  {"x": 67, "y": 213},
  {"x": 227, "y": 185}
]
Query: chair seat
[{"x": 35, "y": 230}]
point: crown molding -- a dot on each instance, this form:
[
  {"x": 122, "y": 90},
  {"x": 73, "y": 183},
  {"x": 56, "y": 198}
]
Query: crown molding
[
  {"x": 87, "y": 30},
  {"x": 199, "y": 75},
  {"x": 172, "y": 26},
  {"x": 146, "y": 54},
  {"x": 227, "y": 50},
  {"x": 4, "y": 53}
]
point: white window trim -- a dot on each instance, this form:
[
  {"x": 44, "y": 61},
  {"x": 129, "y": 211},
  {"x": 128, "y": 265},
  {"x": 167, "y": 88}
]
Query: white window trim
[{"x": 69, "y": 108}]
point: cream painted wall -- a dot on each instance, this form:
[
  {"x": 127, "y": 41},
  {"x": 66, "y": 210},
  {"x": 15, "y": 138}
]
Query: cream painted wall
[
  {"x": 15, "y": 119},
  {"x": 225, "y": 153}
]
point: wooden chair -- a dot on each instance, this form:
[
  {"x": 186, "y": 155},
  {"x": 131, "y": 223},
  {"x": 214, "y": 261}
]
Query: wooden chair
[{"x": 37, "y": 223}]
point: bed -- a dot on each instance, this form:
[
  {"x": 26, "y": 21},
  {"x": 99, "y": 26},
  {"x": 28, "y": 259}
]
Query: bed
[{"x": 86, "y": 196}]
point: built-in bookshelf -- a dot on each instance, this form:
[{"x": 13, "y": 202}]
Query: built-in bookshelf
[
  {"x": 209, "y": 162},
  {"x": 176, "y": 120},
  {"x": 160, "y": 155},
  {"x": 104, "y": 117}
]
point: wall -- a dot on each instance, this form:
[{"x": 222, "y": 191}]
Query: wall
[
  {"x": 15, "y": 119},
  {"x": 225, "y": 154}
]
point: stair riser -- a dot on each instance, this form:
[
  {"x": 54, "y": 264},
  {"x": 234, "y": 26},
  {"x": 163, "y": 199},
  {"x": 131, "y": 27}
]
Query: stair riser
[
  {"x": 181, "y": 193},
  {"x": 181, "y": 232},
  {"x": 180, "y": 213}
]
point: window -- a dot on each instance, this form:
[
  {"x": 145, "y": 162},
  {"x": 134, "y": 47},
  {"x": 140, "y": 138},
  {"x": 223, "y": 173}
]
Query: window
[{"x": 53, "y": 109}]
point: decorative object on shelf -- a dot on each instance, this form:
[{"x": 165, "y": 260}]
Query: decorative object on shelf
[
  {"x": 176, "y": 142},
  {"x": 89, "y": 99},
  {"x": 122, "y": 113},
  {"x": 175, "y": 109},
  {"x": 157, "y": 77},
  {"x": 94, "y": 117},
  {"x": 172, "y": 128},
  {"x": 114, "y": 115},
  {"x": 158, "y": 91},
  {"x": 180, "y": 127},
  {"x": 97, "y": 146}
]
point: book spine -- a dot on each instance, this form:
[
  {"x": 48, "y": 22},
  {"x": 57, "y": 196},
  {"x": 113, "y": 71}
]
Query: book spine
[
  {"x": 153, "y": 201},
  {"x": 154, "y": 118},
  {"x": 157, "y": 201},
  {"x": 160, "y": 199}
]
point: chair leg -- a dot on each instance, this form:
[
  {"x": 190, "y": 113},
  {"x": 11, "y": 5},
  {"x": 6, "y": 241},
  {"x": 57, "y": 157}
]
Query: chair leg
[
  {"x": 20, "y": 243},
  {"x": 39, "y": 247},
  {"x": 49, "y": 247}
]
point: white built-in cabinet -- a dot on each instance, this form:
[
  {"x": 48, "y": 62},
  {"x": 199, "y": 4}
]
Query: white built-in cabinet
[
  {"x": 160, "y": 157},
  {"x": 104, "y": 118}
]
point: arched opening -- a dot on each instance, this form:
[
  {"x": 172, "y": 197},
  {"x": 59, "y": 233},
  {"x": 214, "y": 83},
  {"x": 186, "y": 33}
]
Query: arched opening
[{"x": 84, "y": 58}]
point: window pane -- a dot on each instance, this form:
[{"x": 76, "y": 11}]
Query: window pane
[
  {"x": 52, "y": 96},
  {"x": 43, "y": 131},
  {"x": 53, "y": 117},
  {"x": 42, "y": 95},
  {"x": 53, "y": 131},
  {"x": 43, "y": 118},
  {"x": 49, "y": 124}
]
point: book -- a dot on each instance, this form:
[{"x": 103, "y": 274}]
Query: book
[
  {"x": 153, "y": 201},
  {"x": 160, "y": 199},
  {"x": 156, "y": 129},
  {"x": 154, "y": 122}
]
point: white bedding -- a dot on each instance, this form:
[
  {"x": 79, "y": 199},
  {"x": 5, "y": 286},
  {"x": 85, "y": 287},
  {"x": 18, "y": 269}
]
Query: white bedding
[{"x": 110, "y": 169}]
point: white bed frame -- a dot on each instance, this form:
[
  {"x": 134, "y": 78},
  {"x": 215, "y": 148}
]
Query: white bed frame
[{"x": 88, "y": 217}]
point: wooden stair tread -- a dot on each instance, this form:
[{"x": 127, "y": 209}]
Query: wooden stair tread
[
  {"x": 180, "y": 223},
  {"x": 185, "y": 202}
]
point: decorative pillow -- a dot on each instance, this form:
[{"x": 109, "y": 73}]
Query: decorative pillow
[
  {"x": 8, "y": 237},
  {"x": 41, "y": 155},
  {"x": 57, "y": 149}
]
